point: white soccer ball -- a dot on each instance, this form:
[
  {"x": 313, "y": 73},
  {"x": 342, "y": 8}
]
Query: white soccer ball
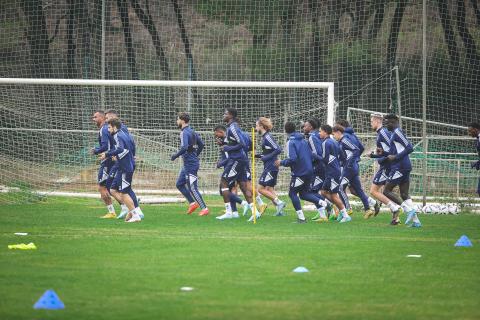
[
  {"x": 427, "y": 209},
  {"x": 453, "y": 208}
]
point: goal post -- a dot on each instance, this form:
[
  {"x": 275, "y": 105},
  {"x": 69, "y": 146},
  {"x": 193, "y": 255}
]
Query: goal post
[{"x": 46, "y": 130}]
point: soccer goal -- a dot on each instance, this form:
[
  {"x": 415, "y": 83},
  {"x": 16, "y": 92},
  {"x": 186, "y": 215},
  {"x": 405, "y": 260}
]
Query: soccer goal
[{"x": 46, "y": 130}]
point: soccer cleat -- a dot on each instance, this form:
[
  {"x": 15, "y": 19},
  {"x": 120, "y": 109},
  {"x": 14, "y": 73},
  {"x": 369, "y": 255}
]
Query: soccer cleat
[
  {"x": 339, "y": 217},
  {"x": 134, "y": 218},
  {"x": 225, "y": 216},
  {"x": 395, "y": 221},
  {"x": 251, "y": 218},
  {"x": 410, "y": 215},
  {"x": 235, "y": 215},
  {"x": 300, "y": 221},
  {"x": 110, "y": 215},
  {"x": 368, "y": 214},
  {"x": 204, "y": 212},
  {"x": 350, "y": 212},
  {"x": 316, "y": 217},
  {"x": 192, "y": 207},
  {"x": 416, "y": 225},
  {"x": 329, "y": 209},
  {"x": 245, "y": 209},
  {"x": 262, "y": 208},
  {"x": 320, "y": 219},
  {"x": 346, "y": 219},
  {"x": 280, "y": 209},
  {"x": 377, "y": 206},
  {"x": 122, "y": 214}
]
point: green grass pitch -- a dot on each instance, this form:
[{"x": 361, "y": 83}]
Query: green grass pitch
[{"x": 107, "y": 269}]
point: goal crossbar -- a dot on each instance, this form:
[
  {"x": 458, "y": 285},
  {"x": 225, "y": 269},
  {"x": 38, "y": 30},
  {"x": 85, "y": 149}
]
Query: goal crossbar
[{"x": 186, "y": 84}]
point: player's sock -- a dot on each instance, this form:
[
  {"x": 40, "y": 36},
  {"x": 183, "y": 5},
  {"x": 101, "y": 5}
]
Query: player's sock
[
  {"x": 276, "y": 201},
  {"x": 228, "y": 208},
  {"x": 139, "y": 211},
  {"x": 300, "y": 215},
  {"x": 393, "y": 206},
  {"x": 344, "y": 212},
  {"x": 406, "y": 207},
  {"x": 321, "y": 212},
  {"x": 409, "y": 202},
  {"x": 322, "y": 203},
  {"x": 253, "y": 209},
  {"x": 245, "y": 207},
  {"x": 124, "y": 208},
  {"x": 371, "y": 202},
  {"x": 111, "y": 208},
  {"x": 259, "y": 200}
]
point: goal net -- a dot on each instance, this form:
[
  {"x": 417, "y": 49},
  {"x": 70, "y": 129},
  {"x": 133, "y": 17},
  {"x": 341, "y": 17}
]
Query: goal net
[{"x": 47, "y": 131}]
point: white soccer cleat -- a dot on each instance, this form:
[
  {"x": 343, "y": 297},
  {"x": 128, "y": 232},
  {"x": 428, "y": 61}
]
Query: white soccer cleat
[
  {"x": 225, "y": 216},
  {"x": 122, "y": 214},
  {"x": 235, "y": 215},
  {"x": 251, "y": 217},
  {"x": 134, "y": 218}
]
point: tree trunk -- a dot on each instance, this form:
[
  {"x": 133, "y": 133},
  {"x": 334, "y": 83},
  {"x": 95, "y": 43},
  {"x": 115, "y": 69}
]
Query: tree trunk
[
  {"x": 127, "y": 34},
  {"x": 188, "y": 52},
  {"x": 71, "y": 45},
  {"x": 377, "y": 19},
  {"x": 146, "y": 19},
  {"x": 468, "y": 41},
  {"x": 37, "y": 36},
  {"x": 448, "y": 31},
  {"x": 316, "y": 70},
  {"x": 394, "y": 30},
  {"x": 361, "y": 15},
  {"x": 477, "y": 12}
]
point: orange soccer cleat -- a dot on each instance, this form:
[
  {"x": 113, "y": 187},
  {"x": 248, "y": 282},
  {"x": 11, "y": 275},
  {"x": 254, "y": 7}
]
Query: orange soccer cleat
[
  {"x": 192, "y": 207},
  {"x": 204, "y": 212}
]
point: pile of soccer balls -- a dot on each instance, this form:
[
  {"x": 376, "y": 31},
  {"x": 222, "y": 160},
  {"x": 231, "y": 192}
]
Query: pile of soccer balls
[{"x": 439, "y": 208}]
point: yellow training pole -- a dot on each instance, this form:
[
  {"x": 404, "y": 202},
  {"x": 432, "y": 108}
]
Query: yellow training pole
[{"x": 254, "y": 211}]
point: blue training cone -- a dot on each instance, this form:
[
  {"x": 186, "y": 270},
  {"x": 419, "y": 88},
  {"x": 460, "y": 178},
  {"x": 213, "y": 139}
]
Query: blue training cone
[
  {"x": 49, "y": 300},
  {"x": 463, "y": 242}
]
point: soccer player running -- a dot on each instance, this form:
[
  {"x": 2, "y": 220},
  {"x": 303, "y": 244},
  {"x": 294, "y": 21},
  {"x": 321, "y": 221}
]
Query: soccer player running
[
  {"x": 399, "y": 175},
  {"x": 310, "y": 129},
  {"x": 236, "y": 168},
  {"x": 349, "y": 155},
  {"x": 220, "y": 133},
  {"x": 191, "y": 145},
  {"x": 105, "y": 142},
  {"x": 270, "y": 152},
  {"x": 355, "y": 185},
  {"x": 474, "y": 131},
  {"x": 331, "y": 185},
  {"x": 121, "y": 186},
  {"x": 299, "y": 159},
  {"x": 380, "y": 177},
  {"x": 113, "y": 114}
]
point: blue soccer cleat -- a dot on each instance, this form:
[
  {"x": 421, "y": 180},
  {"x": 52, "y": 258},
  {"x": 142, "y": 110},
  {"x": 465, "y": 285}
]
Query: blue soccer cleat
[
  {"x": 346, "y": 219},
  {"x": 410, "y": 215},
  {"x": 416, "y": 225}
]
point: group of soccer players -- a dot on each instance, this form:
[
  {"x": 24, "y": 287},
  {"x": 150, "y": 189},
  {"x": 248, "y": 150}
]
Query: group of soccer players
[
  {"x": 323, "y": 162},
  {"x": 116, "y": 150}
]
